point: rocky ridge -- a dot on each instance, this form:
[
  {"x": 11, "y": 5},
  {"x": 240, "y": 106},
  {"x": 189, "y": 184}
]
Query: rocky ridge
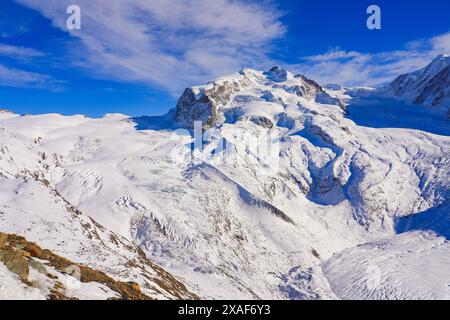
[{"x": 429, "y": 86}]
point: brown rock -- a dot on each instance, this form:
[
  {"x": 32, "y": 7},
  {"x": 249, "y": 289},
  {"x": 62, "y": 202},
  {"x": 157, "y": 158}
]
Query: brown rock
[
  {"x": 3, "y": 240},
  {"x": 134, "y": 286},
  {"x": 34, "y": 250},
  {"x": 24, "y": 253}
]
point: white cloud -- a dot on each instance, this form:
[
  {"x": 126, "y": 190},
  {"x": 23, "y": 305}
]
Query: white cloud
[
  {"x": 12, "y": 77},
  {"x": 442, "y": 43},
  {"x": 15, "y": 77},
  {"x": 176, "y": 43},
  {"x": 170, "y": 43},
  {"x": 335, "y": 54},
  {"x": 19, "y": 52},
  {"x": 357, "y": 68}
]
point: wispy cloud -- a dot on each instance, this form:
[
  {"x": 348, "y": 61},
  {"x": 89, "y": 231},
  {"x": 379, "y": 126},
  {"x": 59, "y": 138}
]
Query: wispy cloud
[
  {"x": 335, "y": 54},
  {"x": 17, "y": 77},
  {"x": 171, "y": 43},
  {"x": 442, "y": 43},
  {"x": 19, "y": 52},
  {"x": 12, "y": 77},
  {"x": 358, "y": 68}
]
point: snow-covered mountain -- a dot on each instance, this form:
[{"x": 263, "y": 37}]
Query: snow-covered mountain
[
  {"x": 428, "y": 86},
  {"x": 284, "y": 194}
]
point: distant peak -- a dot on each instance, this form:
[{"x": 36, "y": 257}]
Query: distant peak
[
  {"x": 442, "y": 58},
  {"x": 427, "y": 86}
]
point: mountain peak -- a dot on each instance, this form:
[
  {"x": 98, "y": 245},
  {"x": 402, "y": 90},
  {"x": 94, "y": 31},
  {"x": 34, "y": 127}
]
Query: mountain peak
[
  {"x": 429, "y": 86},
  {"x": 276, "y": 74},
  {"x": 439, "y": 63},
  {"x": 442, "y": 57},
  {"x": 212, "y": 103}
]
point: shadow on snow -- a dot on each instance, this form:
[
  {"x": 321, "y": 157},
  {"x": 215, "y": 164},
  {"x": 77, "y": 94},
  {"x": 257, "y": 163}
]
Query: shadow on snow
[
  {"x": 436, "y": 219},
  {"x": 379, "y": 112}
]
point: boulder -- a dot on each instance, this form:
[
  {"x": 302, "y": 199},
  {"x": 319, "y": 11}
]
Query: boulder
[{"x": 15, "y": 263}]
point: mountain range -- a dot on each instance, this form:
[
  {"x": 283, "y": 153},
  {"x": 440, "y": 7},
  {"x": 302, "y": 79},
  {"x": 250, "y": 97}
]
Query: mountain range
[{"x": 257, "y": 185}]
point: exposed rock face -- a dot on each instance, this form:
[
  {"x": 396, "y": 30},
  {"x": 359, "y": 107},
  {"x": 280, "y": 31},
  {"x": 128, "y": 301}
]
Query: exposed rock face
[
  {"x": 429, "y": 86},
  {"x": 191, "y": 108},
  {"x": 278, "y": 75},
  {"x": 437, "y": 89},
  {"x": 309, "y": 89},
  {"x": 262, "y": 121},
  {"x": 202, "y": 103}
]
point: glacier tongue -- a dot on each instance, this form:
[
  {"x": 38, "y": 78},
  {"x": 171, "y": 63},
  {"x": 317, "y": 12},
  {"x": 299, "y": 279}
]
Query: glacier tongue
[
  {"x": 279, "y": 196},
  {"x": 412, "y": 266}
]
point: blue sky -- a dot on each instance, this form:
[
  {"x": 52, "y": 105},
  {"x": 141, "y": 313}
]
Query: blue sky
[{"x": 136, "y": 56}]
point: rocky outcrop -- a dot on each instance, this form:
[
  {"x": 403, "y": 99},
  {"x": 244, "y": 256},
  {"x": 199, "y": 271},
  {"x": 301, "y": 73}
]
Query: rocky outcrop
[
  {"x": 309, "y": 89},
  {"x": 191, "y": 108},
  {"x": 19, "y": 256},
  {"x": 262, "y": 121},
  {"x": 201, "y": 103},
  {"x": 16, "y": 262},
  {"x": 301, "y": 85}
]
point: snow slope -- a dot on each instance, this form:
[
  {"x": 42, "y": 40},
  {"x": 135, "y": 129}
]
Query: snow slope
[
  {"x": 222, "y": 216},
  {"x": 411, "y": 266},
  {"x": 31, "y": 206},
  {"x": 11, "y": 288}
]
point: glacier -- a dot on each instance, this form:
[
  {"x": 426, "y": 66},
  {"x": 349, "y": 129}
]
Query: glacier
[{"x": 351, "y": 203}]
